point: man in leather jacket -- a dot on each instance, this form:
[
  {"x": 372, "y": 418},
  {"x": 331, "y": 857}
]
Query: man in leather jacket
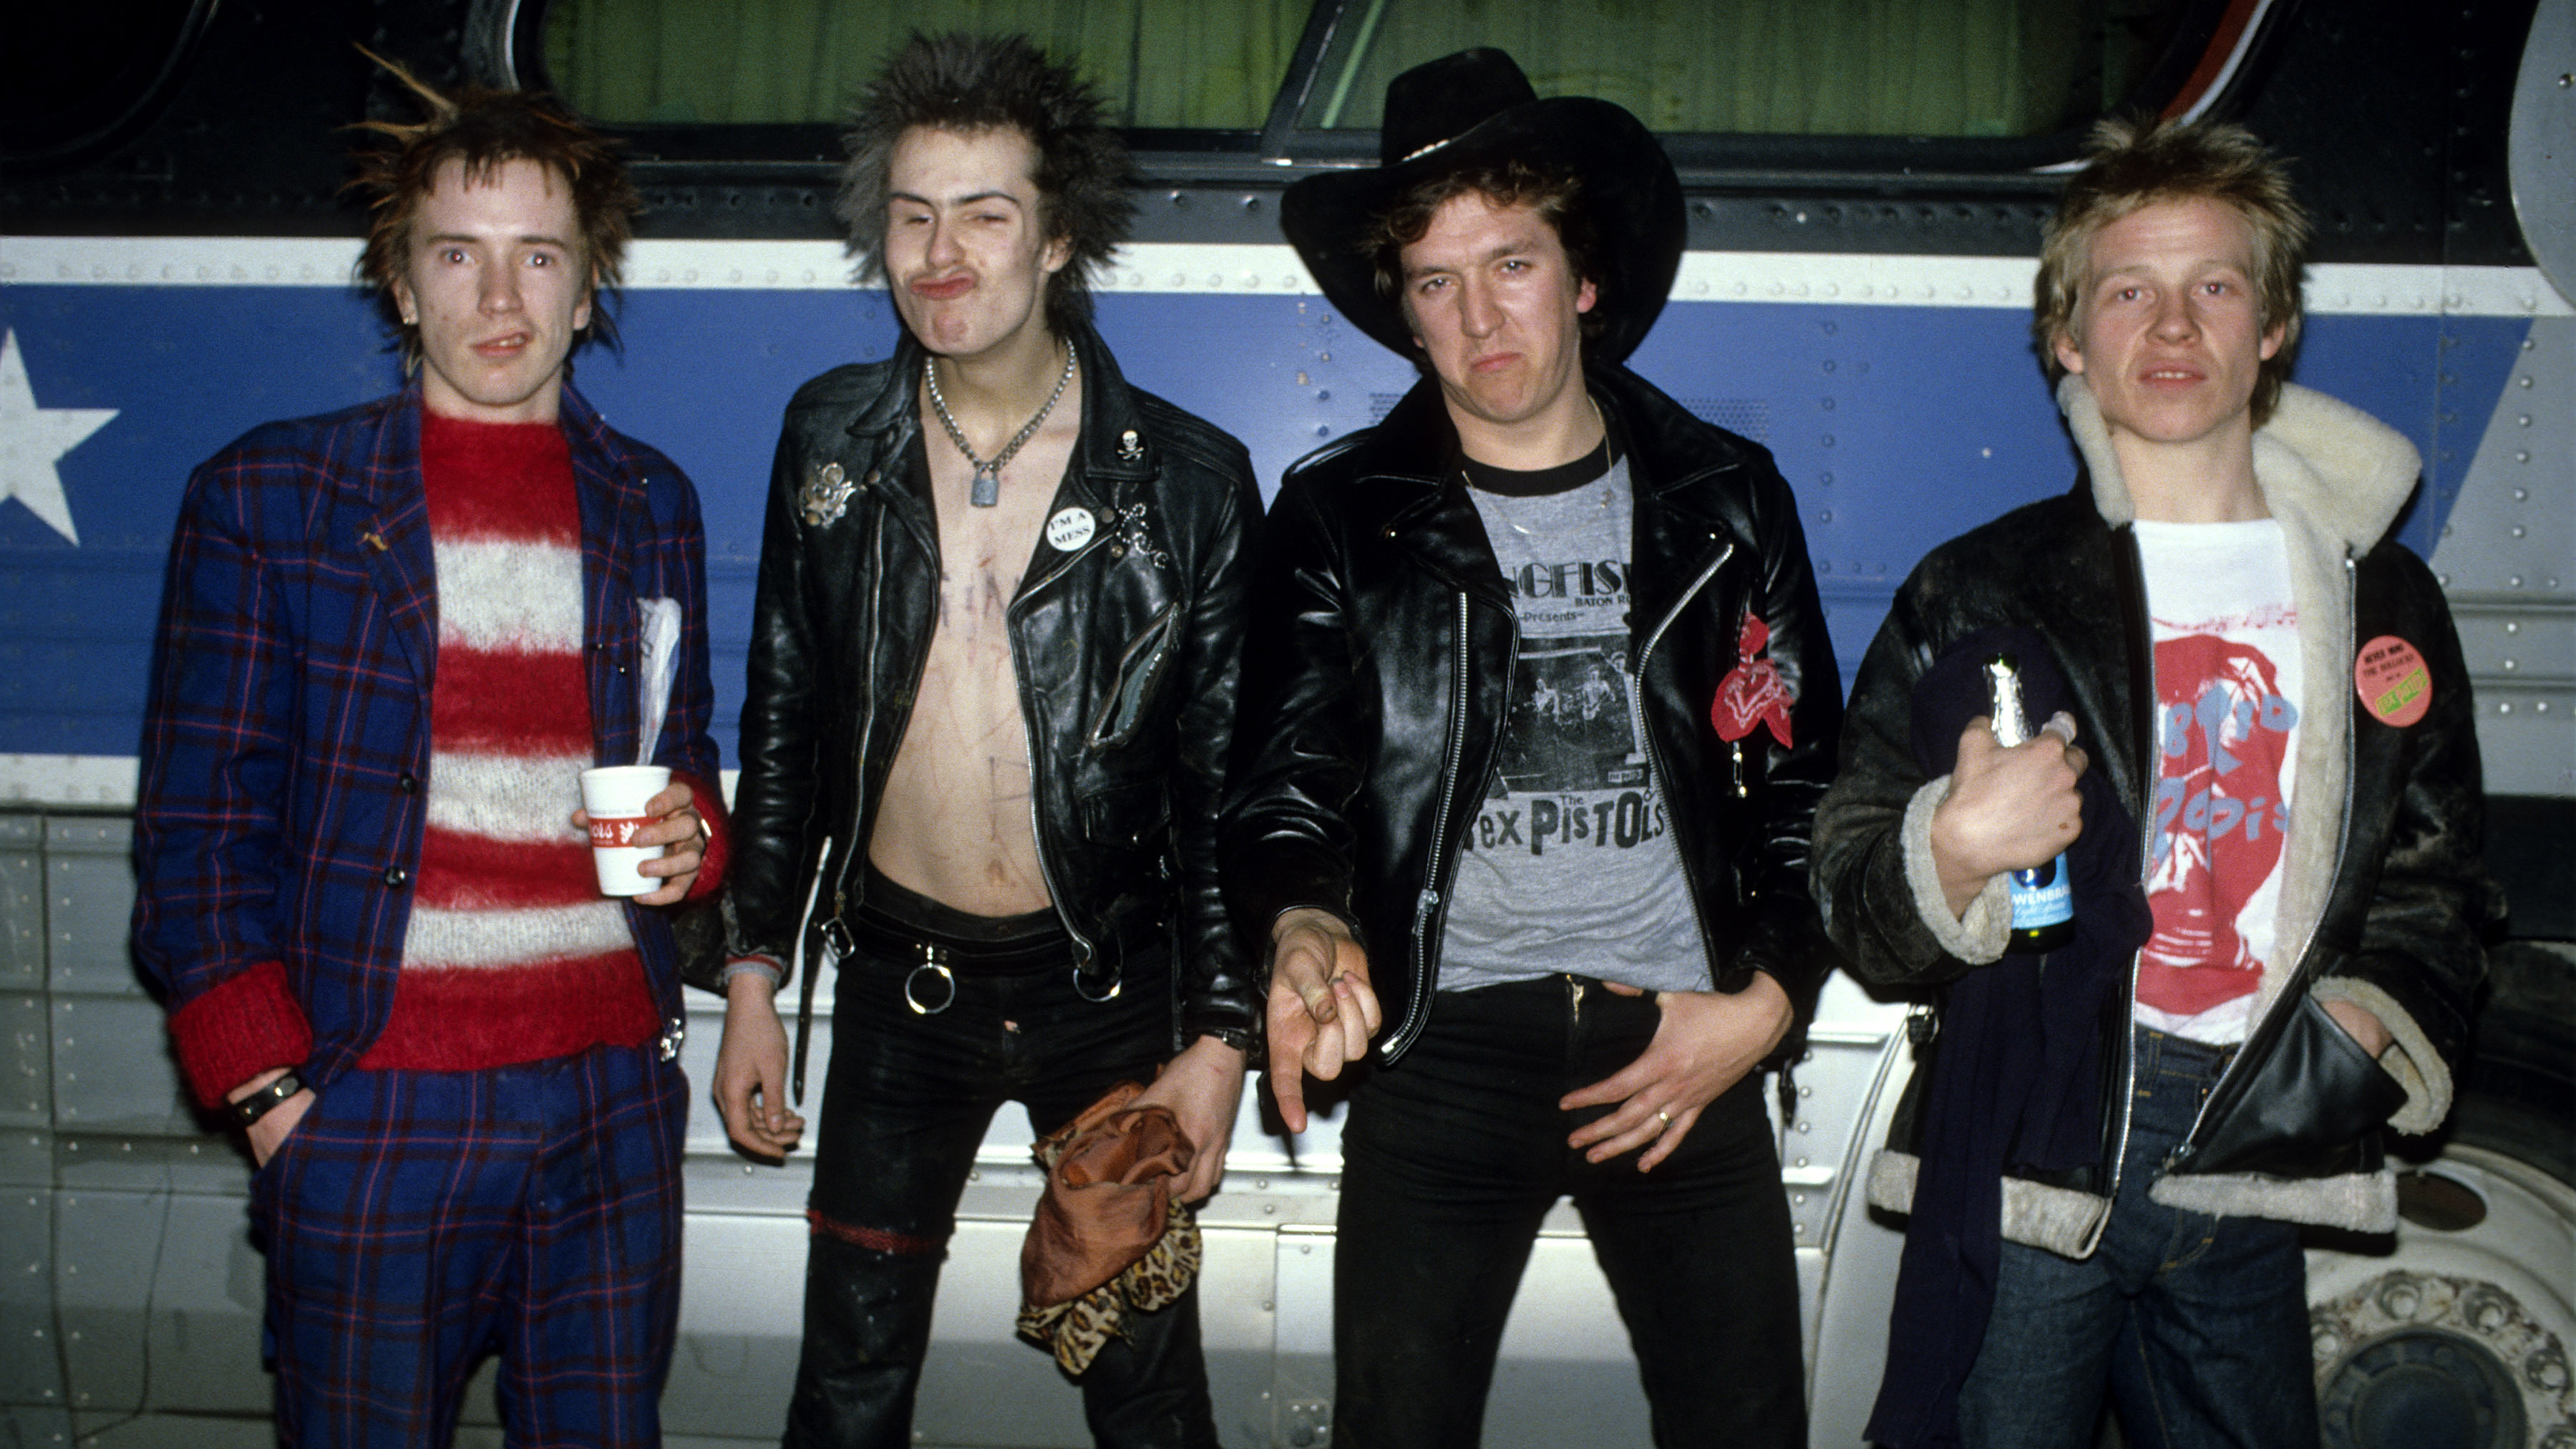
[
  {"x": 2264, "y": 703},
  {"x": 1538, "y": 704},
  {"x": 991, "y": 688}
]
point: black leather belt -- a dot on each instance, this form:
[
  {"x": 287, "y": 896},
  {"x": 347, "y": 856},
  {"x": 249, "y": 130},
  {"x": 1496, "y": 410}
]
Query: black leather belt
[{"x": 938, "y": 959}]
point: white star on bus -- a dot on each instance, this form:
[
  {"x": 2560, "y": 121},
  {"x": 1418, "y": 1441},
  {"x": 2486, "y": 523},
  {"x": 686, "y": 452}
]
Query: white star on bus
[{"x": 33, "y": 440}]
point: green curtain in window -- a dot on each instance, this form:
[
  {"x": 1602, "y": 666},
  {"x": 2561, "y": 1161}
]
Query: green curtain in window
[
  {"x": 1775, "y": 67},
  {"x": 1213, "y": 64}
]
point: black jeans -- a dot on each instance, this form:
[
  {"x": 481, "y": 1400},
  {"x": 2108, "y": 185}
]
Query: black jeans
[
  {"x": 905, "y": 1104},
  {"x": 1453, "y": 1155}
]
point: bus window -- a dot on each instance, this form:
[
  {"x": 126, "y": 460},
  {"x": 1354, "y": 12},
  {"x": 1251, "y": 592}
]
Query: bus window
[
  {"x": 1194, "y": 65},
  {"x": 1930, "y": 68}
]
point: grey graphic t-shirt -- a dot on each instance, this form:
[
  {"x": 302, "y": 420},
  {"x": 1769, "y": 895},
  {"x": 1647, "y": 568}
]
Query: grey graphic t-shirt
[{"x": 1569, "y": 866}]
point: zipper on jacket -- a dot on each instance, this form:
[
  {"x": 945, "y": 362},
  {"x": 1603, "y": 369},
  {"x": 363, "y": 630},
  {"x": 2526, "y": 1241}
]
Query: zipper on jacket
[
  {"x": 1084, "y": 951},
  {"x": 1426, "y": 906},
  {"x": 2296, "y": 986},
  {"x": 2138, "y": 643},
  {"x": 1654, "y": 756},
  {"x": 837, "y": 949},
  {"x": 868, "y": 717}
]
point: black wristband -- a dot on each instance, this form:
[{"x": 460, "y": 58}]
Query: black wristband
[{"x": 260, "y": 1103}]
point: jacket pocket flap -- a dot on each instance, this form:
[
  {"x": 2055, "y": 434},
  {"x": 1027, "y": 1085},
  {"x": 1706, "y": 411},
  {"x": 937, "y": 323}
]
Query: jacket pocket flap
[
  {"x": 1140, "y": 668},
  {"x": 2303, "y": 1109},
  {"x": 1133, "y": 816}
]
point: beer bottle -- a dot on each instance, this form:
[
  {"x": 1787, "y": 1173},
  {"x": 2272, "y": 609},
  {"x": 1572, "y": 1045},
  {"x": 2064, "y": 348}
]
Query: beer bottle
[{"x": 2043, "y": 900}]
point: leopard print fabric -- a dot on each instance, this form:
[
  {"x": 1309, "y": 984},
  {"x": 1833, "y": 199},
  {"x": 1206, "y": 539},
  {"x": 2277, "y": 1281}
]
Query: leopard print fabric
[{"x": 1075, "y": 1332}]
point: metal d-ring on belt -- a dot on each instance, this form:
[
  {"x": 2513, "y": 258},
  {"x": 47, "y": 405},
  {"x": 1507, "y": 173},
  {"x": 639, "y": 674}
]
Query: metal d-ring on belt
[
  {"x": 935, "y": 971},
  {"x": 930, "y": 982}
]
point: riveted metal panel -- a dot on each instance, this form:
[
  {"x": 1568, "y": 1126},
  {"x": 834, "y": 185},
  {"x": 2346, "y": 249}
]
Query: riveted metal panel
[
  {"x": 740, "y": 1314},
  {"x": 22, "y": 903},
  {"x": 89, "y": 900},
  {"x": 1301, "y": 1388},
  {"x": 160, "y": 1302},
  {"x": 1847, "y": 1306},
  {"x": 113, "y": 1071},
  {"x": 26, "y": 1062},
  {"x": 175, "y": 1431},
  {"x": 26, "y": 1160},
  {"x": 200, "y": 1164},
  {"x": 30, "y": 1373},
  {"x": 106, "y": 1249},
  {"x": 207, "y": 1304},
  {"x": 2507, "y": 558},
  {"x": 36, "y": 1427},
  {"x": 1816, "y": 1145},
  {"x": 1236, "y": 1326}
]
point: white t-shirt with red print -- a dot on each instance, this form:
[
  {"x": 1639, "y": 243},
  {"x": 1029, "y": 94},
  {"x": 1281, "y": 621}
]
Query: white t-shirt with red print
[{"x": 2227, "y": 726}]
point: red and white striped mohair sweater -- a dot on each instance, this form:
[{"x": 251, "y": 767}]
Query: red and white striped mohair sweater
[{"x": 512, "y": 955}]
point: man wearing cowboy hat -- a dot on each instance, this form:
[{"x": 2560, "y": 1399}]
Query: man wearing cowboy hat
[{"x": 1538, "y": 704}]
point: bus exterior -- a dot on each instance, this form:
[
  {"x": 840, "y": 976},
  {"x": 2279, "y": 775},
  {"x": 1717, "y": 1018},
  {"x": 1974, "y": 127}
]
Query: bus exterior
[{"x": 1864, "y": 216}]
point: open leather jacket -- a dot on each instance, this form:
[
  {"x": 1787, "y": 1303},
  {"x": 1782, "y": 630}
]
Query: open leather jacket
[
  {"x": 1126, "y": 644},
  {"x": 2384, "y": 895},
  {"x": 1379, "y": 667}
]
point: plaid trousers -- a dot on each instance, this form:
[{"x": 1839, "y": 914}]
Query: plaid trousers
[{"x": 416, "y": 1220}]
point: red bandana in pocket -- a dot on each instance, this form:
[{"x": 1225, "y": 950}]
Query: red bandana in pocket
[{"x": 1753, "y": 692}]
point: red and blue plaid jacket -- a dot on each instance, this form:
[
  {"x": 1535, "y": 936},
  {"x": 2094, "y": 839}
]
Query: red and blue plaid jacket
[{"x": 286, "y": 742}]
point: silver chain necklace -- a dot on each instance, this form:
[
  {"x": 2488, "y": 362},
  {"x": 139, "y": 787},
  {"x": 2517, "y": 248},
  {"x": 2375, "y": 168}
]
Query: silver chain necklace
[{"x": 987, "y": 489}]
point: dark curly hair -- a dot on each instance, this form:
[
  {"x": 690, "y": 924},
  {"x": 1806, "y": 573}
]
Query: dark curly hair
[
  {"x": 1555, "y": 194},
  {"x": 487, "y": 129},
  {"x": 973, "y": 83}
]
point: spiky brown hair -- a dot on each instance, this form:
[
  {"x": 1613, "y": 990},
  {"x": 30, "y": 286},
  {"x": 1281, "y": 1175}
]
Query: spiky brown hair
[
  {"x": 486, "y": 129},
  {"x": 975, "y": 83},
  {"x": 2131, "y": 165}
]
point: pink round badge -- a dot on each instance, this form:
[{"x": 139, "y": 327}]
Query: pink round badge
[{"x": 2394, "y": 684}]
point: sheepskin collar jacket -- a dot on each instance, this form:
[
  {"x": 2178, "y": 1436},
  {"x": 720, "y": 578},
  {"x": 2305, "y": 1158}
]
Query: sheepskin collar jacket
[
  {"x": 2384, "y": 898},
  {"x": 1379, "y": 668},
  {"x": 1126, "y": 633}
]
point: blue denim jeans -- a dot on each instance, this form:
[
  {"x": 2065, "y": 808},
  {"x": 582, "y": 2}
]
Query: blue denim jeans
[
  {"x": 1453, "y": 1155},
  {"x": 2196, "y": 1325}
]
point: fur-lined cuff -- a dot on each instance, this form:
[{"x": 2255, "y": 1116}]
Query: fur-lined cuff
[
  {"x": 711, "y": 856},
  {"x": 2361, "y": 1202},
  {"x": 1891, "y": 1180},
  {"x": 2410, "y": 1057},
  {"x": 243, "y": 1027},
  {"x": 2060, "y": 1219},
  {"x": 1976, "y": 937}
]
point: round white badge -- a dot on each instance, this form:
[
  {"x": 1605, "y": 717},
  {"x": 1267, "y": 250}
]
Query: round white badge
[{"x": 1070, "y": 529}]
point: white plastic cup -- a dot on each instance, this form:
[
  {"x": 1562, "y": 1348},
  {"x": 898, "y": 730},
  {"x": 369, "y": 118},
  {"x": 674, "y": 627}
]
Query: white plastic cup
[{"x": 616, "y": 796}]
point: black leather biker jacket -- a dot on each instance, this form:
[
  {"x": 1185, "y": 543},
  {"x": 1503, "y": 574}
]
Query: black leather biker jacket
[
  {"x": 1380, "y": 661},
  {"x": 1126, "y": 646}
]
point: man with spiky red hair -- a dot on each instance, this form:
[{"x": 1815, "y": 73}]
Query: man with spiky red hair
[{"x": 393, "y": 639}]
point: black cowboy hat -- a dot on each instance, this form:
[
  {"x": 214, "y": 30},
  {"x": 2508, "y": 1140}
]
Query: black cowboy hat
[{"x": 1473, "y": 108}]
